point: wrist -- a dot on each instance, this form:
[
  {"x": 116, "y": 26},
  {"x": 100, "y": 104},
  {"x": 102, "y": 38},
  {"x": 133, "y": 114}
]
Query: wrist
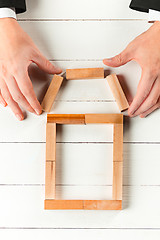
[
  {"x": 155, "y": 28},
  {"x": 7, "y": 22}
]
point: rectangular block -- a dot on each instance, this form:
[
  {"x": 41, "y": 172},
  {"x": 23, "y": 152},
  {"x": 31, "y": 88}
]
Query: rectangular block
[
  {"x": 117, "y": 92},
  {"x": 84, "y": 73},
  {"x": 102, "y": 204},
  {"x": 50, "y": 180},
  {"x": 104, "y": 118},
  {"x": 118, "y": 143},
  {"x": 117, "y": 180},
  {"x": 51, "y": 93},
  {"x": 50, "y": 141},
  {"x": 82, "y": 204},
  {"x": 66, "y": 118},
  {"x": 63, "y": 204}
]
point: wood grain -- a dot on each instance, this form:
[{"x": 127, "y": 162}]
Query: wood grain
[
  {"x": 84, "y": 73},
  {"x": 50, "y": 176},
  {"x": 83, "y": 204},
  {"x": 66, "y": 118},
  {"x": 118, "y": 92},
  {"x": 50, "y": 141},
  {"x": 102, "y": 205},
  {"x": 63, "y": 204},
  {"x": 51, "y": 93},
  {"x": 117, "y": 180},
  {"x": 104, "y": 118},
  {"x": 118, "y": 143}
]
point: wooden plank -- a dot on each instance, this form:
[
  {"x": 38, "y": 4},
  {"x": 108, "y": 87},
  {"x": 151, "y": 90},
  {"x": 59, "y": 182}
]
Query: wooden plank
[
  {"x": 97, "y": 9},
  {"x": 63, "y": 204},
  {"x": 118, "y": 92},
  {"x": 97, "y": 167},
  {"x": 82, "y": 233},
  {"x": 102, "y": 204},
  {"x": 118, "y": 143},
  {"x": 86, "y": 90},
  {"x": 76, "y": 47},
  {"x": 84, "y": 73},
  {"x": 104, "y": 118},
  {"x": 117, "y": 180},
  {"x": 33, "y": 128},
  {"x": 66, "y": 118},
  {"x": 28, "y": 201},
  {"x": 83, "y": 204},
  {"x": 50, "y": 191},
  {"x": 51, "y": 93},
  {"x": 50, "y": 141}
]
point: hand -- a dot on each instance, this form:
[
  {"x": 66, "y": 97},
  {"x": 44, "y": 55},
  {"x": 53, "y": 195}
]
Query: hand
[
  {"x": 145, "y": 50},
  {"x": 17, "y": 52}
]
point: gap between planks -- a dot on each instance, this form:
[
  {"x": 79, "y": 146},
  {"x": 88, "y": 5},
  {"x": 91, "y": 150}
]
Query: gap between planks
[{"x": 77, "y": 20}]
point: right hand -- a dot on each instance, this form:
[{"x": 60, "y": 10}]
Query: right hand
[
  {"x": 145, "y": 50},
  {"x": 17, "y": 52}
]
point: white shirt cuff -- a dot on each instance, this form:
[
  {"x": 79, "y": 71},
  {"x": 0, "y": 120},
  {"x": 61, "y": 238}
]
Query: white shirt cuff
[
  {"x": 153, "y": 15},
  {"x": 8, "y": 12}
]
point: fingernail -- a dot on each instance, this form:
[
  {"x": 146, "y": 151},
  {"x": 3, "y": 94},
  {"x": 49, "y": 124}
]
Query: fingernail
[
  {"x": 58, "y": 69},
  {"x": 19, "y": 117},
  {"x": 38, "y": 112}
]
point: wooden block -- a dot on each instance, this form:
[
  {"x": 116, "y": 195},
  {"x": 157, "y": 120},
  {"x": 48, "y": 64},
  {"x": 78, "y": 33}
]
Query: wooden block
[
  {"x": 66, "y": 118},
  {"x": 51, "y": 93},
  {"x": 104, "y": 118},
  {"x": 117, "y": 92},
  {"x": 50, "y": 141},
  {"x": 118, "y": 143},
  {"x": 117, "y": 180},
  {"x": 102, "y": 204},
  {"x": 63, "y": 204},
  {"x": 50, "y": 181},
  {"x": 84, "y": 73},
  {"x": 83, "y": 204}
]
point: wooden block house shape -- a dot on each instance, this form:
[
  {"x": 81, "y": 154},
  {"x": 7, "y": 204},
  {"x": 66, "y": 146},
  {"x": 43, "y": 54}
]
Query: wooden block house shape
[{"x": 84, "y": 73}]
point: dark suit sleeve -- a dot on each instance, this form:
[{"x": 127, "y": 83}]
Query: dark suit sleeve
[
  {"x": 19, "y": 5},
  {"x": 145, "y": 5}
]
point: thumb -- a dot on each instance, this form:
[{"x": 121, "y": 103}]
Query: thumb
[
  {"x": 118, "y": 60},
  {"x": 45, "y": 64}
]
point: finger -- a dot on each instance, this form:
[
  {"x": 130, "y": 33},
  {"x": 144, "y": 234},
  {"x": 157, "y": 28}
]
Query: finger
[
  {"x": 120, "y": 59},
  {"x": 26, "y": 88},
  {"x": 151, "y": 100},
  {"x": 45, "y": 64},
  {"x": 152, "y": 109},
  {"x": 2, "y": 101},
  {"x": 9, "y": 100},
  {"x": 143, "y": 91},
  {"x": 17, "y": 94}
]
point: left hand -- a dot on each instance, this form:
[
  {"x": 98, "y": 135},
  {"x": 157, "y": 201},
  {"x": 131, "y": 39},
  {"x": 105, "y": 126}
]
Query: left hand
[{"x": 145, "y": 49}]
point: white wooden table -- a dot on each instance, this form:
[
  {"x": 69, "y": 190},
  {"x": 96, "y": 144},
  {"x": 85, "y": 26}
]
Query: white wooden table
[{"x": 80, "y": 33}]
